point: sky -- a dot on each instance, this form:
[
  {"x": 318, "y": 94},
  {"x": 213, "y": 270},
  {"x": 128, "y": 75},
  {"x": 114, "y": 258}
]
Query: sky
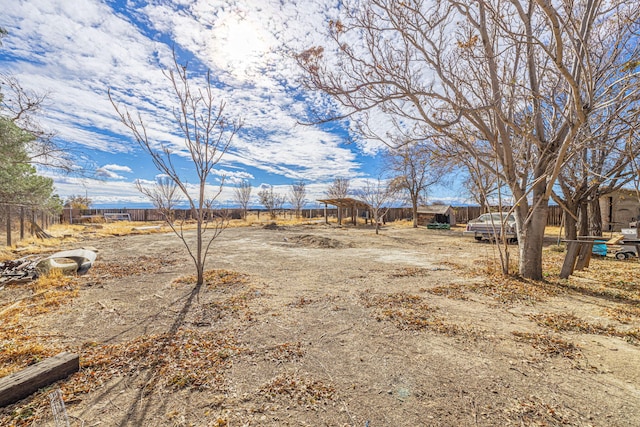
[{"x": 77, "y": 51}]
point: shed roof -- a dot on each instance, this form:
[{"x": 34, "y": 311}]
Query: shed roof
[
  {"x": 346, "y": 202},
  {"x": 435, "y": 209}
]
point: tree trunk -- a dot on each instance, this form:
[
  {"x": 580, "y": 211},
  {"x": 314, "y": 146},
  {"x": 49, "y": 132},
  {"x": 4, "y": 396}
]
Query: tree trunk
[
  {"x": 414, "y": 210},
  {"x": 199, "y": 260},
  {"x": 531, "y": 239},
  {"x": 583, "y": 220},
  {"x": 595, "y": 217},
  {"x": 570, "y": 227}
]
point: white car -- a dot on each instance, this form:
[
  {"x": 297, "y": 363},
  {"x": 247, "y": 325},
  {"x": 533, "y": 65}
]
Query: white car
[{"x": 489, "y": 226}]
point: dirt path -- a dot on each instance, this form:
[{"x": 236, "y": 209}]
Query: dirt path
[{"x": 337, "y": 326}]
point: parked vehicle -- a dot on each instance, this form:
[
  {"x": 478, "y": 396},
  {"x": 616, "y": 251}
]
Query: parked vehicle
[
  {"x": 489, "y": 226},
  {"x": 630, "y": 242}
]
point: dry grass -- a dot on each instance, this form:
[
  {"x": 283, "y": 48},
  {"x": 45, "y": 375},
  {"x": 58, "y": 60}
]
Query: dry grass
[
  {"x": 187, "y": 359},
  {"x": 486, "y": 278},
  {"x": 63, "y": 234},
  {"x": 190, "y": 359},
  {"x": 19, "y": 347}
]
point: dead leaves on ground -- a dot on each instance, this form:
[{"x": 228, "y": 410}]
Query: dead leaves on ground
[
  {"x": 407, "y": 312},
  {"x": 549, "y": 345},
  {"x": 184, "y": 359},
  {"x": 130, "y": 266},
  {"x": 227, "y": 296},
  {"x": 452, "y": 291},
  {"x": 19, "y": 345},
  {"x": 304, "y": 391},
  {"x": 187, "y": 359},
  {"x": 285, "y": 352},
  {"x": 534, "y": 411},
  {"x": 505, "y": 290},
  {"x": 568, "y": 322},
  {"x": 410, "y": 272}
]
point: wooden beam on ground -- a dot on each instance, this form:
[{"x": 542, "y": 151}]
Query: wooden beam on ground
[{"x": 27, "y": 381}]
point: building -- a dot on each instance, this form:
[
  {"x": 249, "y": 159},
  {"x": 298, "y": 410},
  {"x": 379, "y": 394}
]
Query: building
[
  {"x": 442, "y": 214},
  {"x": 619, "y": 209}
]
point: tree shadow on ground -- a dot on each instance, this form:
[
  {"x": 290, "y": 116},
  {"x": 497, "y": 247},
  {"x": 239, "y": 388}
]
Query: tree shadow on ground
[{"x": 138, "y": 411}]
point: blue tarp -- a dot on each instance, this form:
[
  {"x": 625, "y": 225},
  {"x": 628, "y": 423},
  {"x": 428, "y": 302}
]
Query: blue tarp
[{"x": 599, "y": 248}]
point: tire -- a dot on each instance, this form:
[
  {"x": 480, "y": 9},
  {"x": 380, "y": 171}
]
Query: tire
[
  {"x": 478, "y": 238},
  {"x": 621, "y": 255}
]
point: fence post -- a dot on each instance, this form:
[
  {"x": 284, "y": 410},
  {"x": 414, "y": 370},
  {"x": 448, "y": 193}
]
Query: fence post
[
  {"x": 21, "y": 222},
  {"x": 33, "y": 221},
  {"x": 8, "y": 225}
]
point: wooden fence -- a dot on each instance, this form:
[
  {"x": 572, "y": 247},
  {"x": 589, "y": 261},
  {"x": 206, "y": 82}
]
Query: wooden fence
[
  {"x": 466, "y": 213},
  {"x": 463, "y": 214},
  {"x": 21, "y": 221}
]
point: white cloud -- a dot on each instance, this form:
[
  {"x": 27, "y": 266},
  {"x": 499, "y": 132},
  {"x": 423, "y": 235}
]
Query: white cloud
[
  {"x": 119, "y": 168},
  {"x": 77, "y": 50},
  {"x": 111, "y": 171}
]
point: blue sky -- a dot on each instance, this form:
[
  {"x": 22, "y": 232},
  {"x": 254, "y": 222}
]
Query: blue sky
[{"x": 76, "y": 50}]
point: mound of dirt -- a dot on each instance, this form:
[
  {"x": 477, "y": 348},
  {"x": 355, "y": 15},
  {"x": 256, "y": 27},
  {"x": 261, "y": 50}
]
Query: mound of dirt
[
  {"x": 273, "y": 226},
  {"x": 318, "y": 242}
]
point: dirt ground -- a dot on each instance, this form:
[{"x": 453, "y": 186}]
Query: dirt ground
[{"x": 329, "y": 326}]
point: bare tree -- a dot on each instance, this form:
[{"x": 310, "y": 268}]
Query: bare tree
[
  {"x": 515, "y": 77},
  {"x": 415, "y": 168},
  {"x": 77, "y": 202},
  {"x": 380, "y": 196},
  {"x": 242, "y": 195},
  {"x": 164, "y": 194},
  {"x": 339, "y": 189},
  {"x": 297, "y": 196},
  {"x": 278, "y": 202},
  {"x": 604, "y": 161},
  {"x": 207, "y": 135},
  {"x": 22, "y": 108},
  {"x": 271, "y": 200}
]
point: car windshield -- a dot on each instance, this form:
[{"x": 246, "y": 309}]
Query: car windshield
[{"x": 497, "y": 217}]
